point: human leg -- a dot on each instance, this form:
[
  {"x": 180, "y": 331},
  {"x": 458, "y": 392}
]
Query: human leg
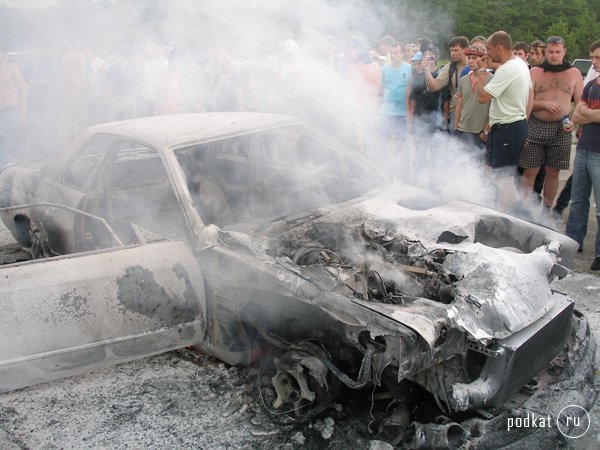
[
  {"x": 558, "y": 158},
  {"x": 550, "y": 186},
  {"x": 580, "y": 199},
  {"x": 532, "y": 157},
  {"x": 593, "y": 167},
  {"x": 595, "y": 175},
  {"x": 528, "y": 179},
  {"x": 564, "y": 197},
  {"x": 538, "y": 184}
]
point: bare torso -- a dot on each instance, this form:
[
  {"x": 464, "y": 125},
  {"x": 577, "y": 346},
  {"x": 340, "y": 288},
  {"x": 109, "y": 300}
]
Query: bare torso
[{"x": 553, "y": 92}]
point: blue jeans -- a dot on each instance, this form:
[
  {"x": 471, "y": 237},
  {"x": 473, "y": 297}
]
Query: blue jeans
[{"x": 586, "y": 174}]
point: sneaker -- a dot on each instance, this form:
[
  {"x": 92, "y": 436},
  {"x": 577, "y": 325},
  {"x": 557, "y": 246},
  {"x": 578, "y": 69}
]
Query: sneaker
[{"x": 596, "y": 263}]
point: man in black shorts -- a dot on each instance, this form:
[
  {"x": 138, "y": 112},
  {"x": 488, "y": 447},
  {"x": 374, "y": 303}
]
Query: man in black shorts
[{"x": 510, "y": 97}]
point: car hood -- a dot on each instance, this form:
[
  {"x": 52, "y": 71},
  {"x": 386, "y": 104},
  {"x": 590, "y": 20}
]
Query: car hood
[{"x": 427, "y": 263}]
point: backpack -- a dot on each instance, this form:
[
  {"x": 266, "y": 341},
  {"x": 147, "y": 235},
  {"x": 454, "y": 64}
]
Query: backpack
[{"x": 448, "y": 90}]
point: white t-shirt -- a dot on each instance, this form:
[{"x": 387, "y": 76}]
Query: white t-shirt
[
  {"x": 510, "y": 89},
  {"x": 591, "y": 75}
]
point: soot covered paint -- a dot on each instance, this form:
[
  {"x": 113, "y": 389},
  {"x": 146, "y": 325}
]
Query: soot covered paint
[
  {"x": 75, "y": 305},
  {"x": 139, "y": 291}
]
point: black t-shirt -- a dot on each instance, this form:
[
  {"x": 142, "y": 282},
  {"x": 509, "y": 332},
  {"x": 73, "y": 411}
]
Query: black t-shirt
[
  {"x": 425, "y": 102},
  {"x": 590, "y": 137}
]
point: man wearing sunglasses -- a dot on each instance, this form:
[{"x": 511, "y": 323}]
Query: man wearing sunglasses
[{"x": 537, "y": 51}]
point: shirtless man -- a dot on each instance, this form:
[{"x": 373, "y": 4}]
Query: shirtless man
[
  {"x": 555, "y": 82},
  {"x": 13, "y": 103}
]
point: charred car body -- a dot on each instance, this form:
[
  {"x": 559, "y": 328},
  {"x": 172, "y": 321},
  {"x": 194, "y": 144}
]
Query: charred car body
[{"x": 238, "y": 232}]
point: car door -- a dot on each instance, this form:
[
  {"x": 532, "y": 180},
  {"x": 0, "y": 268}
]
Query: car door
[
  {"x": 68, "y": 314},
  {"x": 83, "y": 310},
  {"x": 54, "y": 195},
  {"x": 132, "y": 189}
]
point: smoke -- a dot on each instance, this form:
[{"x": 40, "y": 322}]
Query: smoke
[
  {"x": 162, "y": 57},
  {"x": 290, "y": 58}
]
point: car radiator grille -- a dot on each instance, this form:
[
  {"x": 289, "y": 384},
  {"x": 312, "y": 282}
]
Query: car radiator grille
[{"x": 535, "y": 353}]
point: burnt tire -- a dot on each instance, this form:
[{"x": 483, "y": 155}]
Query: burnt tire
[{"x": 294, "y": 407}]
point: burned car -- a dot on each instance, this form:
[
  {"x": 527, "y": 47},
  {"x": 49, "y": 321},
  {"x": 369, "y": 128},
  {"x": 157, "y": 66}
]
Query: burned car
[{"x": 257, "y": 237}]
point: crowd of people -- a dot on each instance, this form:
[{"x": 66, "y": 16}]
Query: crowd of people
[{"x": 509, "y": 105}]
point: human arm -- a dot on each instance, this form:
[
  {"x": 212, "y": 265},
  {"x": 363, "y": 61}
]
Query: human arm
[
  {"x": 481, "y": 72},
  {"x": 584, "y": 115},
  {"x": 534, "y": 104},
  {"x": 482, "y": 95},
  {"x": 457, "y": 111},
  {"x": 484, "y": 133},
  {"x": 578, "y": 90},
  {"x": 548, "y": 105},
  {"x": 530, "y": 101},
  {"x": 439, "y": 82},
  {"x": 410, "y": 108}
]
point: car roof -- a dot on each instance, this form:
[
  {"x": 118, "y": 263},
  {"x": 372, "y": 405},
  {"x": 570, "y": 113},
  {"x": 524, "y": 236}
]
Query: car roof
[
  {"x": 175, "y": 130},
  {"x": 179, "y": 129}
]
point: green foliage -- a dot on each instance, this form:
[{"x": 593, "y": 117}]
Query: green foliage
[{"x": 574, "y": 20}]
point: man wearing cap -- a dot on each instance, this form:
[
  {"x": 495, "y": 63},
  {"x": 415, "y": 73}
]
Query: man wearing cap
[
  {"x": 555, "y": 82},
  {"x": 471, "y": 117}
]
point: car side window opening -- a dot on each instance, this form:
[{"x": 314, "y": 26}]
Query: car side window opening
[
  {"x": 137, "y": 190},
  {"x": 81, "y": 170}
]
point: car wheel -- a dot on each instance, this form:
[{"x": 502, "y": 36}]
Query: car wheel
[{"x": 294, "y": 386}]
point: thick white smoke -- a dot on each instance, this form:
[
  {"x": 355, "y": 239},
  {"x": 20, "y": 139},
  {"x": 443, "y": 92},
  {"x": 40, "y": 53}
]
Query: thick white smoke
[{"x": 300, "y": 45}]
